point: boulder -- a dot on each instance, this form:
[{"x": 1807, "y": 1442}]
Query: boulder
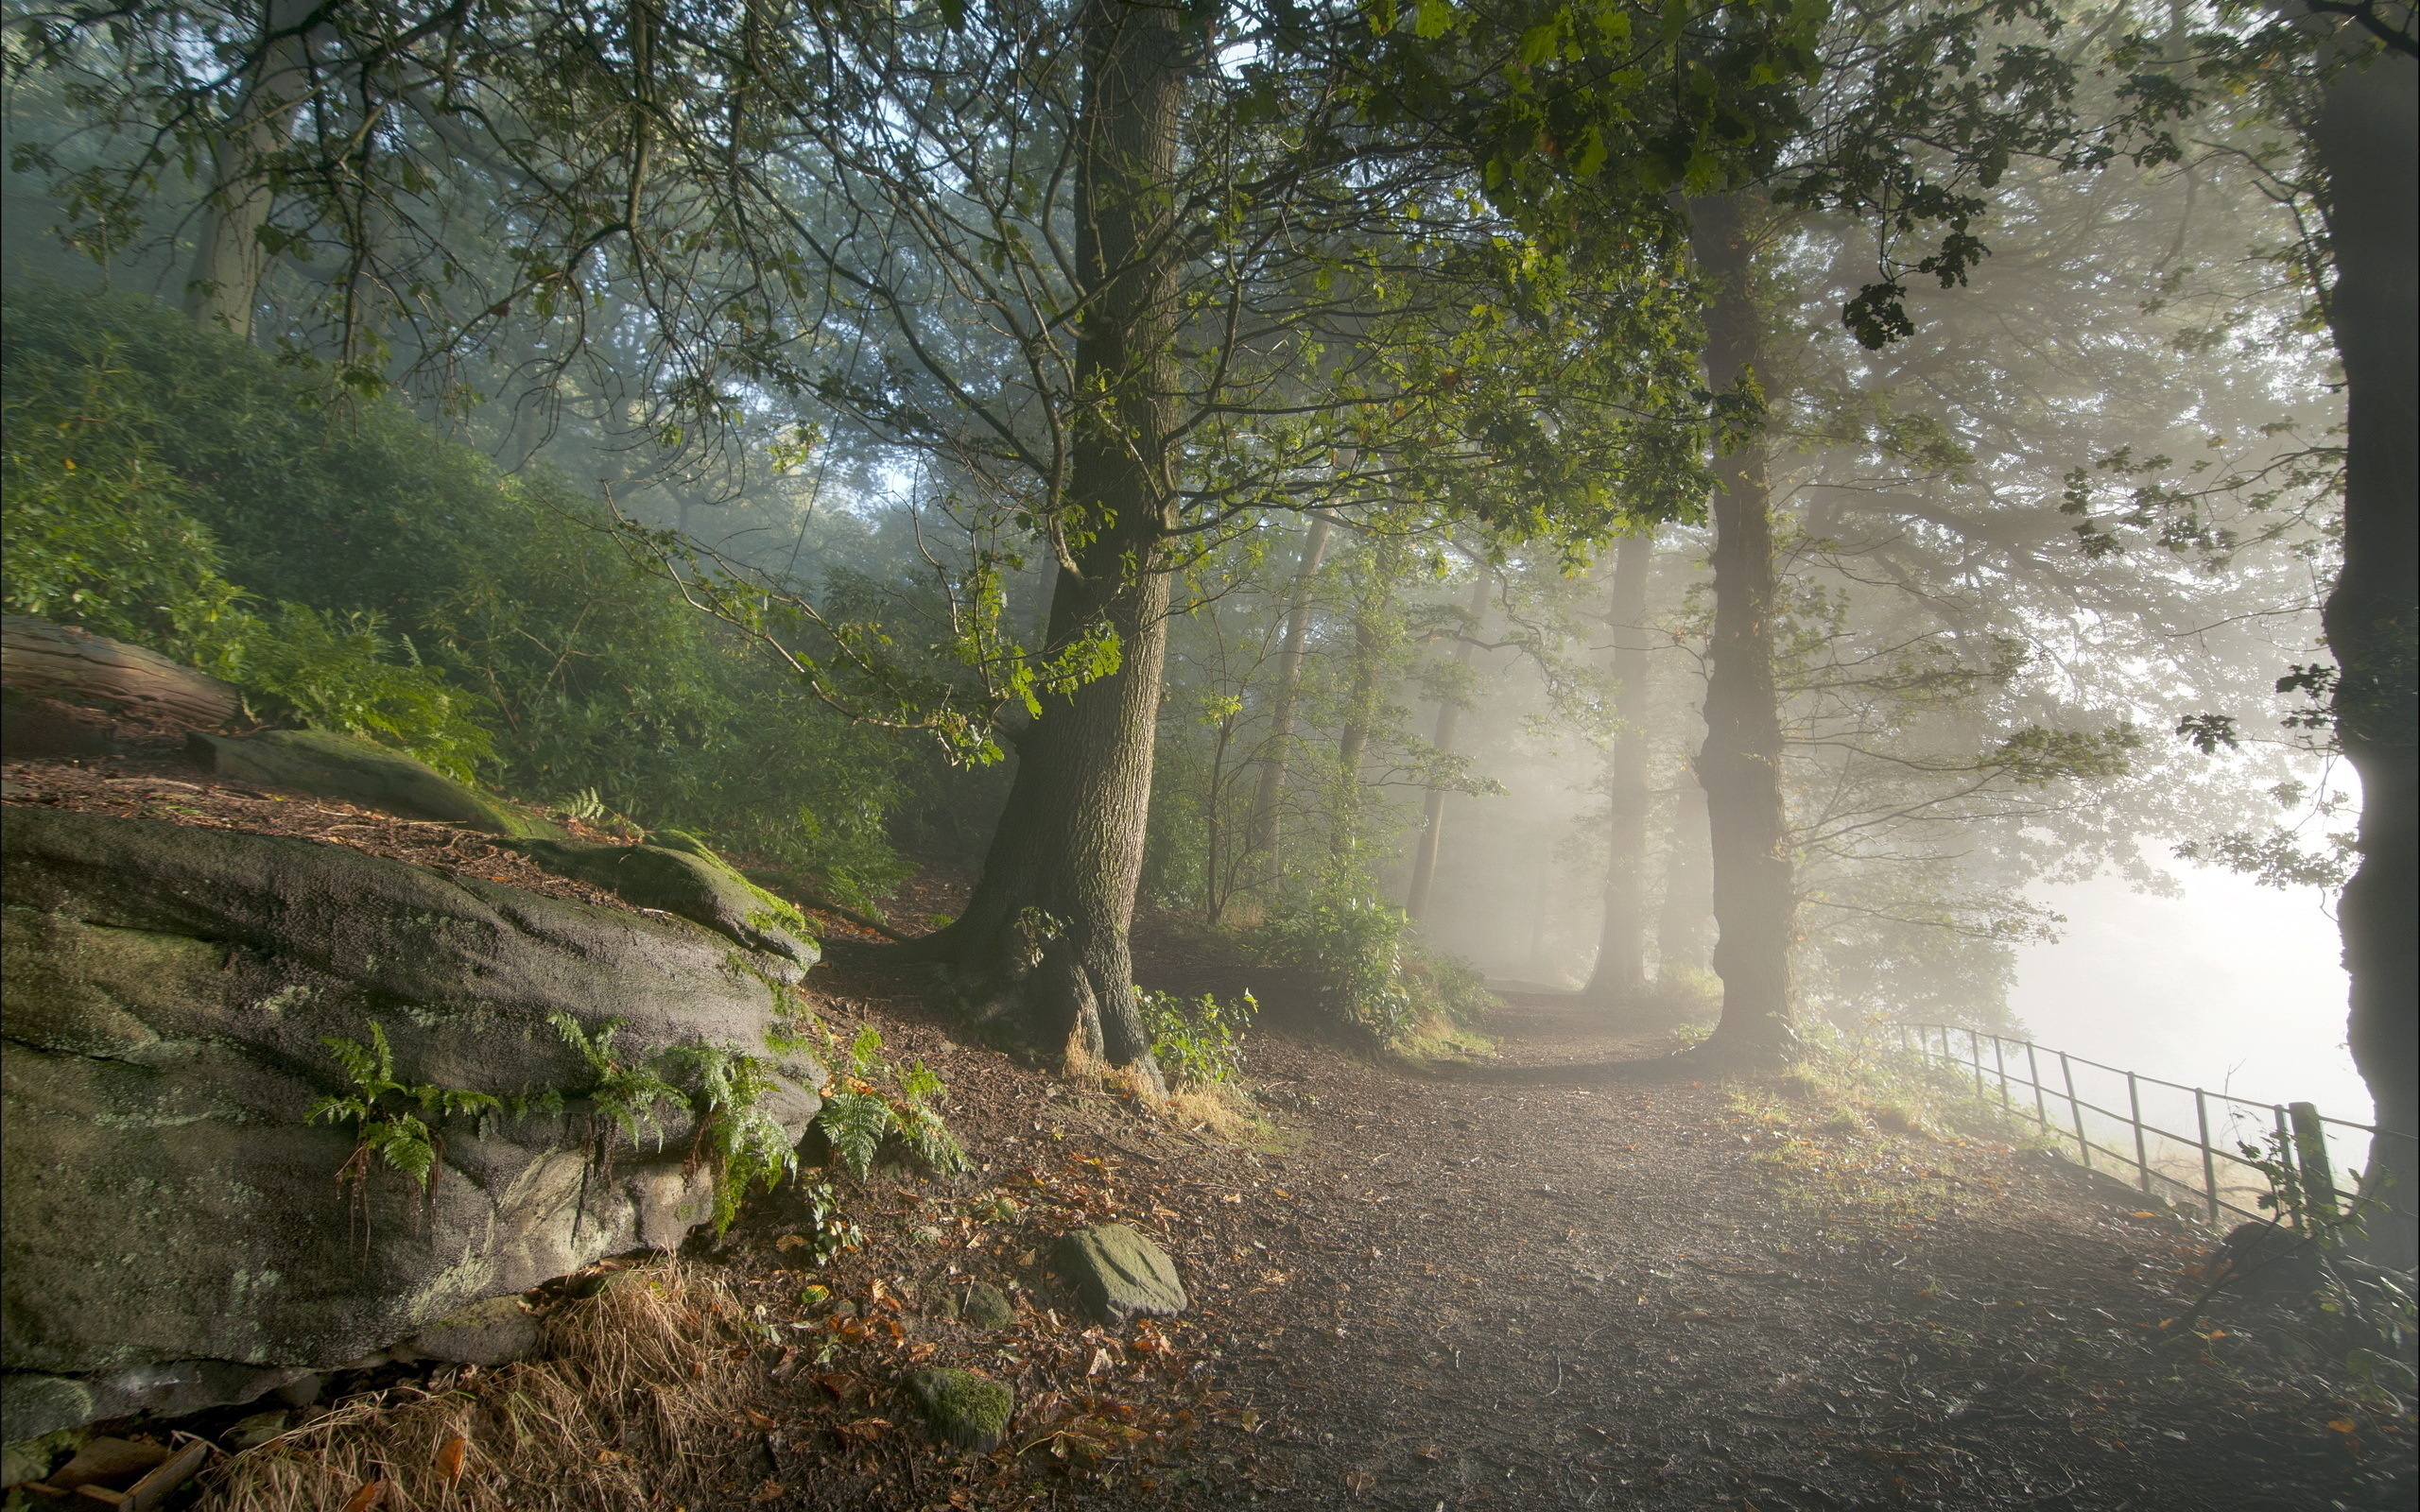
[
  {"x": 961, "y": 1407},
  {"x": 1116, "y": 1274},
  {"x": 172, "y": 1229},
  {"x": 339, "y": 766},
  {"x": 2268, "y": 1261},
  {"x": 496, "y": 1332},
  {"x": 677, "y": 873}
]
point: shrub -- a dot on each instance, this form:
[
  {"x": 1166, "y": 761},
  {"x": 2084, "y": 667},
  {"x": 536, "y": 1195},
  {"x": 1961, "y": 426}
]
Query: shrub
[
  {"x": 209, "y": 479},
  {"x": 1351, "y": 945},
  {"x": 1198, "y": 1043}
]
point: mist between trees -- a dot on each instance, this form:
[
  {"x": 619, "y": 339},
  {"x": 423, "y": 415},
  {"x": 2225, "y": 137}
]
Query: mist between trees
[{"x": 1700, "y": 506}]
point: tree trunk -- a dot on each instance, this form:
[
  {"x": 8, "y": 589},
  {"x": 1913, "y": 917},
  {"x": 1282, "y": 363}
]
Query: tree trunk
[
  {"x": 2367, "y": 146},
  {"x": 1620, "y": 976},
  {"x": 1044, "y": 938},
  {"x": 1689, "y": 902},
  {"x": 1360, "y": 705},
  {"x": 1739, "y": 766},
  {"x": 1267, "y": 820},
  {"x": 228, "y": 260},
  {"x": 1449, "y": 717}
]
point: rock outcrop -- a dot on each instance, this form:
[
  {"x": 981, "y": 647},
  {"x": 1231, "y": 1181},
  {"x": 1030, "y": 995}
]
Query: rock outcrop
[
  {"x": 174, "y": 1231},
  {"x": 335, "y": 766},
  {"x": 681, "y": 875}
]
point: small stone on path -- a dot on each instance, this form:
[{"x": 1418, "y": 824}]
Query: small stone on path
[
  {"x": 986, "y": 1307},
  {"x": 1117, "y": 1274},
  {"x": 961, "y": 1407}
]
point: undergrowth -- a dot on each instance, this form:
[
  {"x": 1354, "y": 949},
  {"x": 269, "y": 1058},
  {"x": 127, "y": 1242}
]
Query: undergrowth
[
  {"x": 632, "y": 1401},
  {"x": 860, "y": 1116}
]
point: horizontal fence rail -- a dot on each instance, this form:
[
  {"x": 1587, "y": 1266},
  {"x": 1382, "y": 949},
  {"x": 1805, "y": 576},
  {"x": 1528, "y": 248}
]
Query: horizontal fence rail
[{"x": 2184, "y": 1166}]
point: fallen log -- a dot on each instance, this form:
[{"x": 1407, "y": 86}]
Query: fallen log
[{"x": 40, "y": 660}]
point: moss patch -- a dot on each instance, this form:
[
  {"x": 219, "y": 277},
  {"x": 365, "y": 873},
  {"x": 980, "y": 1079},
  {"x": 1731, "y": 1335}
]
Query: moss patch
[{"x": 961, "y": 1407}]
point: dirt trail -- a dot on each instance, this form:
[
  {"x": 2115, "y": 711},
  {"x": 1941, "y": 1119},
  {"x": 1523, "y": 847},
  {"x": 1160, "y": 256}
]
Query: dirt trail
[{"x": 1448, "y": 1295}]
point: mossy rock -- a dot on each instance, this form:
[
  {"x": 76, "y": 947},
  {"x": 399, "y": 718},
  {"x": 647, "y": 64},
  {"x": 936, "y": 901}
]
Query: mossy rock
[
  {"x": 963, "y": 1408},
  {"x": 173, "y": 1235},
  {"x": 986, "y": 1307},
  {"x": 679, "y": 874},
  {"x": 1117, "y": 1274},
  {"x": 340, "y": 766}
]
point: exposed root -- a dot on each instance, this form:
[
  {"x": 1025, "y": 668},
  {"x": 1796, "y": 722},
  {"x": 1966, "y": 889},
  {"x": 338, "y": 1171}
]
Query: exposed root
[{"x": 636, "y": 1397}]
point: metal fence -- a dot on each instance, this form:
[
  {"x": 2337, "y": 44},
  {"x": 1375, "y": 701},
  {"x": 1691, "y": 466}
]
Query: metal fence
[{"x": 2208, "y": 1166}]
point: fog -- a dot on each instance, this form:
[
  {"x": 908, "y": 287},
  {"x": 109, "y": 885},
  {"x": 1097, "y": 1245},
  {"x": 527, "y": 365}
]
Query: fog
[{"x": 2229, "y": 985}]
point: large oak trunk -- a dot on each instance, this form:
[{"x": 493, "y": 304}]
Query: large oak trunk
[
  {"x": 1739, "y": 766},
  {"x": 1619, "y": 979},
  {"x": 1044, "y": 938},
  {"x": 2369, "y": 147}
]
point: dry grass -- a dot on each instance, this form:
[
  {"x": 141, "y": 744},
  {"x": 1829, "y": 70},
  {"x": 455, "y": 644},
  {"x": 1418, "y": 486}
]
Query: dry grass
[
  {"x": 637, "y": 1395},
  {"x": 1219, "y": 1109}
]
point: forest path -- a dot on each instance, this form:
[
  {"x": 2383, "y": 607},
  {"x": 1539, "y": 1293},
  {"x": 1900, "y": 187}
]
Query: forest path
[
  {"x": 1694, "y": 1294},
  {"x": 1436, "y": 1293}
]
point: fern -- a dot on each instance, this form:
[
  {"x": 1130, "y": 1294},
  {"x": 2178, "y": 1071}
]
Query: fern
[
  {"x": 857, "y": 1124},
  {"x": 626, "y": 1097},
  {"x": 746, "y": 1145},
  {"x": 409, "y": 1141}
]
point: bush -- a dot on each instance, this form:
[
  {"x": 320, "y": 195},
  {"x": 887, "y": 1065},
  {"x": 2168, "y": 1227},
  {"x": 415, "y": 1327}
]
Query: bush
[
  {"x": 407, "y": 570},
  {"x": 1198, "y": 1043},
  {"x": 98, "y": 533},
  {"x": 1351, "y": 947}
]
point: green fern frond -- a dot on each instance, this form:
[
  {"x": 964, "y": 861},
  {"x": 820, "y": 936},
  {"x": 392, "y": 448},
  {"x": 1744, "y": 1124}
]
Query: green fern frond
[{"x": 856, "y": 1124}]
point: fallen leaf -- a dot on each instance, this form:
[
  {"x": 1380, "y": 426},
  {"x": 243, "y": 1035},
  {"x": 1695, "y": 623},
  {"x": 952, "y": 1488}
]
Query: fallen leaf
[
  {"x": 371, "y": 1494},
  {"x": 2145, "y": 1214},
  {"x": 449, "y": 1458},
  {"x": 1429, "y": 1452},
  {"x": 760, "y": 1419},
  {"x": 842, "y": 1386},
  {"x": 790, "y": 1242},
  {"x": 770, "y": 1491},
  {"x": 1360, "y": 1482},
  {"x": 2340, "y": 1425},
  {"x": 865, "y": 1430},
  {"x": 1100, "y": 1362}
]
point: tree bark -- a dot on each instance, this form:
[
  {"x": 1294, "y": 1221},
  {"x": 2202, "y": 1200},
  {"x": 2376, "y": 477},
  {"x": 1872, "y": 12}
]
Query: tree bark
[
  {"x": 228, "y": 260},
  {"x": 1449, "y": 717},
  {"x": 1689, "y": 902},
  {"x": 2368, "y": 147},
  {"x": 1266, "y": 819},
  {"x": 42, "y": 659},
  {"x": 1739, "y": 766},
  {"x": 1620, "y": 976},
  {"x": 1044, "y": 938}
]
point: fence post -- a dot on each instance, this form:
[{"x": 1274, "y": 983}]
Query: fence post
[
  {"x": 2291, "y": 1199},
  {"x": 2135, "y": 1112},
  {"x": 2000, "y": 1066},
  {"x": 1974, "y": 1045},
  {"x": 2075, "y": 1105},
  {"x": 2210, "y": 1163},
  {"x": 2033, "y": 1073},
  {"x": 2311, "y": 1159}
]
